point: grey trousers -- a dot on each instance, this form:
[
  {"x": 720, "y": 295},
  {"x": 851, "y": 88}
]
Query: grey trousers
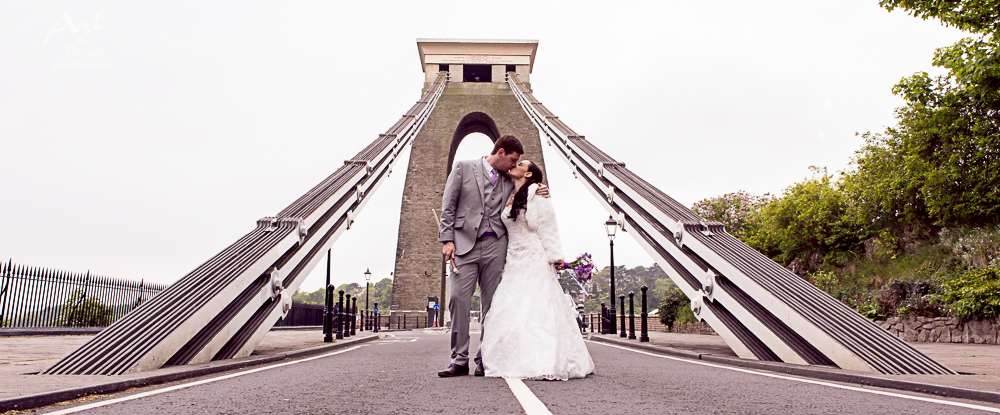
[{"x": 483, "y": 265}]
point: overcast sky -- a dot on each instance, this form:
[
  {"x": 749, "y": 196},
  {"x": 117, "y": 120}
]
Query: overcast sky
[{"x": 138, "y": 139}]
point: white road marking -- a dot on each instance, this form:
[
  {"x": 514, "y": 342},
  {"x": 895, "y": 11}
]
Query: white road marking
[
  {"x": 188, "y": 385},
  {"x": 528, "y": 400},
  {"x": 814, "y": 382}
]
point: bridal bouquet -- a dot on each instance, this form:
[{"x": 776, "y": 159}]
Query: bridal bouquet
[{"x": 582, "y": 268}]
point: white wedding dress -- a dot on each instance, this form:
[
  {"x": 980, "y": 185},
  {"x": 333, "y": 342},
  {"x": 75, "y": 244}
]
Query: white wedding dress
[{"x": 531, "y": 330}]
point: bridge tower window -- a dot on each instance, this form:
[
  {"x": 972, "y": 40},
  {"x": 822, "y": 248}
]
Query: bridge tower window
[
  {"x": 478, "y": 73},
  {"x": 511, "y": 68},
  {"x": 443, "y": 68}
]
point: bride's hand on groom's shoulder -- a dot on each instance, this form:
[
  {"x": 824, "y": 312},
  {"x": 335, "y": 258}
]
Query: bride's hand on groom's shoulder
[{"x": 542, "y": 190}]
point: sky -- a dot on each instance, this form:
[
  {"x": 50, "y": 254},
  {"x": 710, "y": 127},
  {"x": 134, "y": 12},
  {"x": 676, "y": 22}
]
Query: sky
[{"x": 139, "y": 139}]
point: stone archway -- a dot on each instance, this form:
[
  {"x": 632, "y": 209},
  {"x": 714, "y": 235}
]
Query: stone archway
[
  {"x": 475, "y": 122},
  {"x": 462, "y": 109}
]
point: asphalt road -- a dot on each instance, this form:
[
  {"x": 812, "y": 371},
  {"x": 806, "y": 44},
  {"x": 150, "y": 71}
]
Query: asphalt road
[{"x": 398, "y": 376}]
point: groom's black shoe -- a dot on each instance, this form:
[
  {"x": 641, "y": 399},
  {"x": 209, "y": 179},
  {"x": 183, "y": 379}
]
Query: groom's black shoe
[
  {"x": 454, "y": 370},
  {"x": 479, "y": 370}
]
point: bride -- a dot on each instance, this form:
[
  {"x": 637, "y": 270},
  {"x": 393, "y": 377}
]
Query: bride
[{"x": 533, "y": 330}]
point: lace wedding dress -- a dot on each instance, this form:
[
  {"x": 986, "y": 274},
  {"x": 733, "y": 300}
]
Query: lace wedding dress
[{"x": 531, "y": 330}]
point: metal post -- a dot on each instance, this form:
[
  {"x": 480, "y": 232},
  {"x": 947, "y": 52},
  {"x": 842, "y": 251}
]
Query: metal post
[
  {"x": 631, "y": 315},
  {"x": 328, "y": 310},
  {"x": 328, "y": 316},
  {"x": 601, "y": 326},
  {"x": 621, "y": 297},
  {"x": 354, "y": 316},
  {"x": 376, "y": 317},
  {"x": 368, "y": 285},
  {"x": 347, "y": 317},
  {"x": 612, "y": 329},
  {"x": 643, "y": 334},
  {"x": 340, "y": 316}
]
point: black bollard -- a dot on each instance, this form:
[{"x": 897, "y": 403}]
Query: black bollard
[
  {"x": 631, "y": 315},
  {"x": 602, "y": 326},
  {"x": 404, "y": 321},
  {"x": 354, "y": 316},
  {"x": 339, "y": 327},
  {"x": 643, "y": 334},
  {"x": 621, "y": 297},
  {"x": 347, "y": 316},
  {"x": 375, "y": 317},
  {"x": 328, "y": 316}
]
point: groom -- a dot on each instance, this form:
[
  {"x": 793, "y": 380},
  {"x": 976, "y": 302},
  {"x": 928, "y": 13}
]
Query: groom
[{"x": 475, "y": 237}]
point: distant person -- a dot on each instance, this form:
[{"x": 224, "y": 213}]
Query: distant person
[
  {"x": 534, "y": 332},
  {"x": 475, "y": 237}
]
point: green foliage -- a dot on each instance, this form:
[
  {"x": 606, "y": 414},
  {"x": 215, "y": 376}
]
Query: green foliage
[
  {"x": 976, "y": 16},
  {"x": 80, "y": 311},
  {"x": 671, "y": 304},
  {"x": 974, "y": 294},
  {"x": 380, "y": 292},
  {"x": 317, "y": 297},
  {"x": 977, "y": 247},
  {"x": 736, "y": 211},
  {"x": 808, "y": 223},
  {"x": 626, "y": 279}
]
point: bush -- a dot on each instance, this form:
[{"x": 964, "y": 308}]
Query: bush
[
  {"x": 671, "y": 304},
  {"x": 79, "y": 311},
  {"x": 974, "y": 294}
]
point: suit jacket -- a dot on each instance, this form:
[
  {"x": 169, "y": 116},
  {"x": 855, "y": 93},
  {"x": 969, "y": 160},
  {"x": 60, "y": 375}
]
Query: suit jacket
[{"x": 463, "y": 204}]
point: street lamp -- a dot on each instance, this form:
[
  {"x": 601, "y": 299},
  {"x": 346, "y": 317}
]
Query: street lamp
[
  {"x": 611, "y": 226},
  {"x": 368, "y": 283}
]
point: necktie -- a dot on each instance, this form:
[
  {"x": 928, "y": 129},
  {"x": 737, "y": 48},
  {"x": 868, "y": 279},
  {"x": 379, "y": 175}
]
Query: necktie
[{"x": 493, "y": 177}]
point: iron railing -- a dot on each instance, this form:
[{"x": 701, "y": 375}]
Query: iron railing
[{"x": 41, "y": 297}]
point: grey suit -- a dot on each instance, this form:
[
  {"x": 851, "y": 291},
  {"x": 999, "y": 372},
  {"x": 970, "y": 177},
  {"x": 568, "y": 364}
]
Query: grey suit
[{"x": 471, "y": 206}]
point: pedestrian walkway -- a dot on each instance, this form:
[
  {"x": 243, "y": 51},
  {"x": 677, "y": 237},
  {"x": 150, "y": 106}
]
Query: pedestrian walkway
[
  {"x": 979, "y": 364},
  {"x": 21, "y": 358}
]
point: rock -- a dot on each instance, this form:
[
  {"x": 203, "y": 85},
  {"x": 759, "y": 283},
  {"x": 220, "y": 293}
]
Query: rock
[
  {"x": 923, "y": 335},
  {"x": 935, "y": 334},
  {"x": 945, "y": 336}
]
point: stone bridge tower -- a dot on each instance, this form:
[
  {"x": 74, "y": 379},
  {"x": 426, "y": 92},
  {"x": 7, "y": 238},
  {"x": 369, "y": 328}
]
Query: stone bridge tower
[{"x": 477, "y": 99}]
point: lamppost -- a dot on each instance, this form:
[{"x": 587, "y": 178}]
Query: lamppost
[
  {"x": 611, "y": 226},
  {"x": 368, "y": 283}
]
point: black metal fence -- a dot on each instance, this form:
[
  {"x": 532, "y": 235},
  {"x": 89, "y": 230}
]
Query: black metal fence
[
  {"x": 40, "y": 297},
  {"x": 302, "y": 314}
]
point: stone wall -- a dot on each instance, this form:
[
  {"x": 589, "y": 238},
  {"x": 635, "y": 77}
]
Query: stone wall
[
  {"x": 943, "y": 329},
  {"x": 692, "y": 328}
]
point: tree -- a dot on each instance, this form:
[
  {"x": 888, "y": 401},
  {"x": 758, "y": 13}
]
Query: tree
[
  {"x": 80, "y": 311},
  {"x": 317, "y": 297},
  {"x": 736, "y": 211},
  {"x": 670, "y": 305},
  {"x": 807, "y": 224},
  {"x": 938, "y": 166}
]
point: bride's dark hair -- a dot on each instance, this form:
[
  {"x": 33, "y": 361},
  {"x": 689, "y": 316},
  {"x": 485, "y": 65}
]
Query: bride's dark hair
[{"x": 521, "y": 197}]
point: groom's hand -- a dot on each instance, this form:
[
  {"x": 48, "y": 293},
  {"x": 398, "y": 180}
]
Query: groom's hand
[
  {"x": 542, "y": 190},
  {"x": 448, "y": 251}
]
